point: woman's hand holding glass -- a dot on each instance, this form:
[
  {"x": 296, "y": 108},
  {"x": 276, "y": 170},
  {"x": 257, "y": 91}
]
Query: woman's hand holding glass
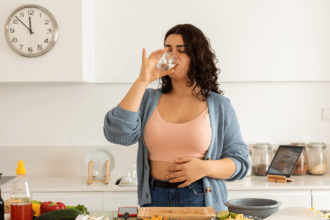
[{"x": 149, "y": 71}]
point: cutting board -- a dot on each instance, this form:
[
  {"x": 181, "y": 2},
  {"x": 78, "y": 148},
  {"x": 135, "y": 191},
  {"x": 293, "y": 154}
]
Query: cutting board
[{"x": 178, "y": 213}]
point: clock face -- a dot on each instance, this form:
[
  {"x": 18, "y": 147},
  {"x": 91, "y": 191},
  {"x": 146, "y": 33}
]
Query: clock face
[{"x": 31, "y": 31}]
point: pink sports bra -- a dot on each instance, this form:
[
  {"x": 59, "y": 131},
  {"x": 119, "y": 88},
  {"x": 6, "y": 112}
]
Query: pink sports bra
[{"x": 169, "y": 141}]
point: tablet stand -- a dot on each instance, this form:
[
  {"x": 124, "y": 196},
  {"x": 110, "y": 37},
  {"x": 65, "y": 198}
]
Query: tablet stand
[{"x": 278, "y": 179}]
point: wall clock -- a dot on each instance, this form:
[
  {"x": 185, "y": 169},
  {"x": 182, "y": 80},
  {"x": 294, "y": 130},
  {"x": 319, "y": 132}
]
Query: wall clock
[{"x": 31, "y": 30}]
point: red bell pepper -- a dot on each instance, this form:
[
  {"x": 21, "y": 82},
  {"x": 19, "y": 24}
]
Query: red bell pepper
[{"x": 50, "y": 206}]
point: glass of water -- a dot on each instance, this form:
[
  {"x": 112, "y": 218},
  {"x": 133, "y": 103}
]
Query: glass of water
[{"x": 167, "y": 61}]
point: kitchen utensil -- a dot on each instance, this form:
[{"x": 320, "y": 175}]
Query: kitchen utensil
[
  {"x": 261, "y": 208},
  {"x": 99, "y": 156},
  {"x": 295, "y": 213},
  {"x": 179, "y": 213}
]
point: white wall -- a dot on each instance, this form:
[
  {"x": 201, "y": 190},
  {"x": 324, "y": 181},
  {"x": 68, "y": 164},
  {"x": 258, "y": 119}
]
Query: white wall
[
  {"x": 51, "y": 126},
  {"x": 60, "y": 122},
  {"x": 255, "y": 40}
]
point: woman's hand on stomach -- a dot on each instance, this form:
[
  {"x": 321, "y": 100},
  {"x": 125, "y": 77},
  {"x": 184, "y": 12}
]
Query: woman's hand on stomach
[
  {"x": 187, "y": 169},
  {"x": 158, "y": 169}
]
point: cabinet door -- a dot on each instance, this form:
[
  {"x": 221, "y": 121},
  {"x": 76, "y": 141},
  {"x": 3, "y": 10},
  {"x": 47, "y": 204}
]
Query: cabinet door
[
  {"x": 91, "y": 200},
  {"x": 287, "y": 197},
  {"x": 320, "y": 199},
  {"x": 113, "y": 200}
]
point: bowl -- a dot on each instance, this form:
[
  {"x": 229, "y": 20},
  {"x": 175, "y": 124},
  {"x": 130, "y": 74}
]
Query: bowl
[{"x": 261, "y": 208}]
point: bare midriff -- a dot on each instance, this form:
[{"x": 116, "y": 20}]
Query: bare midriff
[{"x": 158, "y": 169}]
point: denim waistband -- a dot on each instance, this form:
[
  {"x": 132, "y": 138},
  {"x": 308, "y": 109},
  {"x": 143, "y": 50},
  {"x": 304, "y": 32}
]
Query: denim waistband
[{"x": 167, "y": 184}]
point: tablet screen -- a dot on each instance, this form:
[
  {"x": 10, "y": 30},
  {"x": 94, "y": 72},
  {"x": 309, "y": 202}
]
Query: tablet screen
[{"x": 285, "y": 160}]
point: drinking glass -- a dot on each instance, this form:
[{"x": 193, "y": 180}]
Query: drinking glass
[{"x": 167, "y": 61}]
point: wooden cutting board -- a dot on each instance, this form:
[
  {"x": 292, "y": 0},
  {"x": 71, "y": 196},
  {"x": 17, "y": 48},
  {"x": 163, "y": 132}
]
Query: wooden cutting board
[{"x": 178, "y": 213}]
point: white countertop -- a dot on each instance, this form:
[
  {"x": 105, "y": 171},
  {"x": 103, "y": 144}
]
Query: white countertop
[{"x": 75, "y": 184}]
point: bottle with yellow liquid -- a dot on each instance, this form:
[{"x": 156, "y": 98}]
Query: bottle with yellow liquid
[{"x": 20, "y": 196}]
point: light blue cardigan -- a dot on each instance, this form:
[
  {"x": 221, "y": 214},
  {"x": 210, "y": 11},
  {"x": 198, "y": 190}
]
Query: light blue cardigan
[{"x": 126, "y": 128}]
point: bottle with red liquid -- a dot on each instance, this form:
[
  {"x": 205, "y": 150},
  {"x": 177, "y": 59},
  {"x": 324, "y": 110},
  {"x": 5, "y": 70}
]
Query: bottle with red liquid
[{"x": 20, "y": 196}]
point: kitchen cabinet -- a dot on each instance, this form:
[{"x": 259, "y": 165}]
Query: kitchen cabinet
[
  {"x": 287, "y": 197},
  {"x": 113, "y": 200},
  {"x": 92, "y": 200},
  {"x": 71, "y": 58},
  {"x": 320, "y": 199}
]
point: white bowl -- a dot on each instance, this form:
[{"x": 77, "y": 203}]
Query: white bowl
[{"x": 99, "y": 156}]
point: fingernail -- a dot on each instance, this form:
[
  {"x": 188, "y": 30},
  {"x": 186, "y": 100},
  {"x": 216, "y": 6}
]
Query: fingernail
[
  {"x": 166, "y": 177},
  {"x": 172, "y": 71},
  {"x": 166, "y": 169}
]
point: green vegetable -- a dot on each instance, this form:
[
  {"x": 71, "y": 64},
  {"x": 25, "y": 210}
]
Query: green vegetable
[
  {"x": 79, "y": 207},
  {"x": 36, "y": 202},
  {"x": 61, "y": 214}
]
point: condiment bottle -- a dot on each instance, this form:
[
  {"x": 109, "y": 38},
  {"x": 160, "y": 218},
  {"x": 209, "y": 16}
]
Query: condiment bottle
[
  {"x": 317, "y": 158},
  {"x": 2, "y": 204},
  {"x": 20, "y": 196},
  {"x": 301, "y": 166},
  {"x": 262, "y": 158}
]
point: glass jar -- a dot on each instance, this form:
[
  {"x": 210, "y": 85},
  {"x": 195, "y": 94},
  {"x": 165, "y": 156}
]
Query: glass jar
[
  {"x": 317, "y": 158},
  {"x": 301, "y": 166},
  {"x": 263, "y": 156},
  {"x": 127, "y": 179},
  {"x": 251, "y": 161}
]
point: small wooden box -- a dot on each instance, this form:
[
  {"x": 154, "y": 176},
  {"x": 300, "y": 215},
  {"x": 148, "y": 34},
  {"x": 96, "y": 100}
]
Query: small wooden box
[{"x": 178, "y": 213}]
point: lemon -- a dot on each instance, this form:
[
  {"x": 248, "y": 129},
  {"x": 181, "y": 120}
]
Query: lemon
[{"x": 223, "y": 215}]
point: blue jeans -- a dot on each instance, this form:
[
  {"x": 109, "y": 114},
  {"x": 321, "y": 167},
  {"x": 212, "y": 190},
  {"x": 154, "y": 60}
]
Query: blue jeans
[{"x": 189, "y": 196}]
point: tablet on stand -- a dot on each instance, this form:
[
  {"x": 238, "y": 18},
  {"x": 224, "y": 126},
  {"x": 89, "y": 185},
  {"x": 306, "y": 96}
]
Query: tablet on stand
[{"x": 283, "y": 164}]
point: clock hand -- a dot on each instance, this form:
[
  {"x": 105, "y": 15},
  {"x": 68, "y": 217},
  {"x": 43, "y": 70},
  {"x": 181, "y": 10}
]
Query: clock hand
[
  {"x": 23, "y": 24},
  {"x": 30, "y": 26}
]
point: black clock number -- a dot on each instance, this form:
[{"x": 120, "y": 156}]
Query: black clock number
[
  {"x": 22, "y": 14},
  {"x": 39, "y": 47},
  {"x": 50, "y": 31},
  {"x": 14, "y": 40},
  {"x": 30, "y": 49},
  {"x": 15, "y": 21},
  {"x": 46, "y": 41},
  {"x": 21, "y": 45},
  {"x": 30, "y": 12},
  {"x": 12, "y": 30},
  {"x": 47, "y": 22}
]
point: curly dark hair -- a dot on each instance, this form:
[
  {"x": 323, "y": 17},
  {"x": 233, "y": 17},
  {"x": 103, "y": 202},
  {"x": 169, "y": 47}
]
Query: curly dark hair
[{"x": 202, "y": 69}]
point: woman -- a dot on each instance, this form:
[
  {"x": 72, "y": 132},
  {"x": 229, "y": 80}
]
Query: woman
[{"x": 188, "y": 133}]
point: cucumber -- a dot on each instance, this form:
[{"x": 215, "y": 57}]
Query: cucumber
[{"x": 61, "y": 214}]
